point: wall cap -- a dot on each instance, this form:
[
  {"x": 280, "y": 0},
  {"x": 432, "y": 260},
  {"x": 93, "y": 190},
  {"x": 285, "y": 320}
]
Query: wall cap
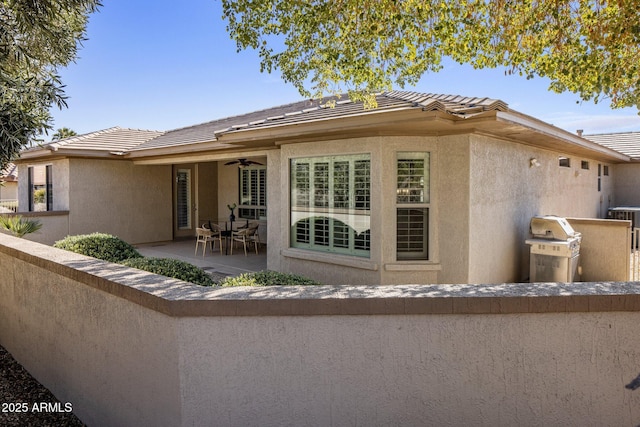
[{"x": 180, "y": 299}]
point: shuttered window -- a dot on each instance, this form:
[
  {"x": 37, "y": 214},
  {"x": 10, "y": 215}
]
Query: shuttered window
[
  {"x": 330, "y": 204},
  {"x": 412, "y": 206},
  {"x": 183, "y": 200},
  {"x": 253, "y": 192}
]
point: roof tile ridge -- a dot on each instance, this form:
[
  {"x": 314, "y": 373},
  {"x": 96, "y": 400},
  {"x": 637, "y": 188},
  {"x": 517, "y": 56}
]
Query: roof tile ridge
[
  {"x": 81, "y": 137},
  {"x": 318, "y": 101},
  {"x": 629, "y": 132}
]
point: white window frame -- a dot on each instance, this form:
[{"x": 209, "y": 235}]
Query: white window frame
[
  {"x": 328, "y": 216},
  {"x": 247, "y": 209},
  {"x": 416, "y": 198}
]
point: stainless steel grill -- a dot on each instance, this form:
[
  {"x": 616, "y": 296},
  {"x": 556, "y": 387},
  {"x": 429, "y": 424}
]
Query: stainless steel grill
[{"x": 555, "y": 250}]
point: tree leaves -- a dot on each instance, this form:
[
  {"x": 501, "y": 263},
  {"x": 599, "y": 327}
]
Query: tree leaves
[
  {"x": 588, "y": 47},
  {"x": 36, "y": 37}
]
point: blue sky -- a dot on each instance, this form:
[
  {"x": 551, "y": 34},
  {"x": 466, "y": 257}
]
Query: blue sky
[{"x": 160, "y": 65}]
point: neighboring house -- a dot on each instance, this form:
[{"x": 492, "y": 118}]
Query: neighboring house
[
  {"x": 9, "y": 180},
  {"x": 8, "y": 188},
  {"x": 627, "y": 175},
  {"x": 423, "y": 189},
  {"x": 81, "y": 185}
]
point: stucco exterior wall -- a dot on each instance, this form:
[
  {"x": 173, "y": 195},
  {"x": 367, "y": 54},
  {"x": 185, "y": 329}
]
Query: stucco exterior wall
[
  {"x": 627, "y": 182},
  {"x": 453, "y": 196},
  {"x": 506, "y": 191},
  {"x": 228, "y": 187},
  {"x": 130, "y": 201},
  {"x": 60, "y": 176},
  {"x": 9, "y": 190},
  {"x": 277, "y": 203},
  {"x": 207, "y": 192},
  {"x": 131, "y": 348}
]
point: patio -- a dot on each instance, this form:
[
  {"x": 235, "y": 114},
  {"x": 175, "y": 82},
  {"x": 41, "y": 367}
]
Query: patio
[{"x": 215, "y": 263}]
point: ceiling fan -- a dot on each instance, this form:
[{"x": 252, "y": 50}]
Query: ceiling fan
[{"x": 243, "y": 163}]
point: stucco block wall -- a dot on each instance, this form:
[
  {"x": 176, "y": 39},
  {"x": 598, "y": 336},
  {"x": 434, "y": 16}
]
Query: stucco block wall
[
  {"x": 130, "y": 201},
  {"x": 112, "y": 359},
  {"x": 506, "y": 192},
  {"x": 132, "y": 348},
  {"x": 604, "y": 249}
]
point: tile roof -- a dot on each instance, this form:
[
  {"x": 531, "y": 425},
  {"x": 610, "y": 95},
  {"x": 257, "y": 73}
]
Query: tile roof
[
  {"x": 627, "y": 143},
  {"x": 115, "y": 139},
  {"x": 315, "y": 110},
  {"x": 10, "y": 172}
]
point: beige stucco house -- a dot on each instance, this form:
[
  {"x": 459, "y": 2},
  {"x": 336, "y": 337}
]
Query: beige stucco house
[
  {"x": 423, "y": 189},
  {"x": 8, "y": 183}
]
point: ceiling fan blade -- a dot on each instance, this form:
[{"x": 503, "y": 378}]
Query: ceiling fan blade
[
  {"x": 231, "y": 163},
  {"x": 251, "y": 162}
]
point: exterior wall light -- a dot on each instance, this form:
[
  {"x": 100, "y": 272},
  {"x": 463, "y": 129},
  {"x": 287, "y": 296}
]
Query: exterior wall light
[{"x": 533, "y": 162}]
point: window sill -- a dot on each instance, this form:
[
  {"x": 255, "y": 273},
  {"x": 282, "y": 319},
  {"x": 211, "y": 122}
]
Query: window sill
[
  {"x": 42, "y": 213},
  {"x": 347, "y": 261},
  {"x": 413, "y": 266}
]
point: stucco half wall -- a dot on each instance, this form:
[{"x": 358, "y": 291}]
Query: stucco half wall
[{"x": 130, "y": 348}]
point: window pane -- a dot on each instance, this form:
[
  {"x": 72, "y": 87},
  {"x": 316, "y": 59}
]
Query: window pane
[
  {"x": 413, "y": 178},
  {"x": 330, "y": 204},
  {"x": 321, "y": 184},
  {"x": 183, "y": 202},
  {"x": 341, "y": 184},
  {"x": 362, "y": 184},
  {"x": 412, "y": 233},
  {"x": 300, "y": 184},
  {"x": 321, "y": 231},
  {"x": 253, "y": 192}
]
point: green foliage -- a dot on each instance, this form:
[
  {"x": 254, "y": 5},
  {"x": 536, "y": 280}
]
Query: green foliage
[
  {"x": 19, "y": 226},
  {"x": 267, "y": 278},
  {"x": 36, "y": 37},
  {"x": 39, "y": 195},
  {"x": 99, "y": 245},
  {"x": 590, "y": 47},
  {"x": 63, "y": 133},
  {"x": 171, "y": 268}
]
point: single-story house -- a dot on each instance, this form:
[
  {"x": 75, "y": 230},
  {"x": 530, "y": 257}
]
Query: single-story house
[
  {"x": 425, "y": 188},
  {"x": 9, "y": 182}
]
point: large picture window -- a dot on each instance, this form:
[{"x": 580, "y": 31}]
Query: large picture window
[
  {"x": 412, "y": 206},
  {"x": 40, "y": 188},
  {"x": 330, "y": 204},
  {"x": 253, "y": 192}
]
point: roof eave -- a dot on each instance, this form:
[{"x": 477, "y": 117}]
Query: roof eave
[{"x": 568, "y": 140}]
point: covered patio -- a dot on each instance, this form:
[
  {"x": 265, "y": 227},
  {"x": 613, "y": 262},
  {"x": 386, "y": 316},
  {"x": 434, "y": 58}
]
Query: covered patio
[{"x": 216, "y": 264}]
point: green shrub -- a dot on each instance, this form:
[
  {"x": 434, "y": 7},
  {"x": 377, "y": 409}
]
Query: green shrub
[
  {"x": 19, "y": 226},
  {"x": 171, "y": 268},
  {"x": 267, "y": 278},
  {"x": 99, "y": 245}
]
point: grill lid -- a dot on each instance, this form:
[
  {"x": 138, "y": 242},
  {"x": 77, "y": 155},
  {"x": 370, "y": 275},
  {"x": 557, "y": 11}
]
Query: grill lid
[{"x": 551, "y": 227}]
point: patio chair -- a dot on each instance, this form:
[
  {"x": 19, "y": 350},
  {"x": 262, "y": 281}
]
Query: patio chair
[
  {"x": 205, "y": 235},
  {"x": 246, "y": 235}
]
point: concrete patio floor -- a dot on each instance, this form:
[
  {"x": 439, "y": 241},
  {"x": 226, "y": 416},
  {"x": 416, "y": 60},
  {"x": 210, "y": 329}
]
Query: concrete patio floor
[{"x": 212, "y": 262}]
